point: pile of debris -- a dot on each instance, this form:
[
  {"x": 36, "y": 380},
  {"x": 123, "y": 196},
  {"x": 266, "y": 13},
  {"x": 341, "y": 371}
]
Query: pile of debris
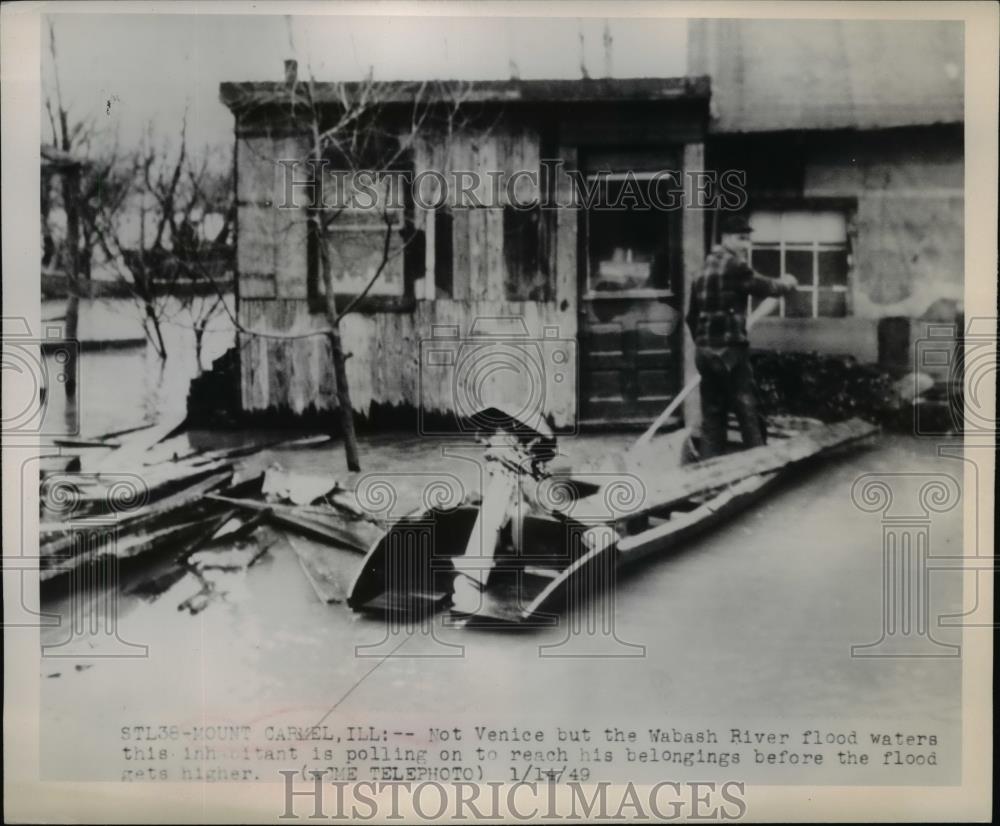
[
  {"x": 193, "y": 509},
  {"x": 536, "y": 539}
]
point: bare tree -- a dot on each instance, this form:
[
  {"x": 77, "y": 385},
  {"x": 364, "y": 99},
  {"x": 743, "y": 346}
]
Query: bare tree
[
  {"x": 167, "y": 264},
  {"x": 366, "y": 128},
  {"x": 63, "y": 138}
]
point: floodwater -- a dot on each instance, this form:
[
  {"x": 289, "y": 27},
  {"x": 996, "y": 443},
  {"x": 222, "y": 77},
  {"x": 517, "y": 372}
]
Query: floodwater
[
  {"x": 754, "y": 622},
  {"x": 127, "y": 386}
]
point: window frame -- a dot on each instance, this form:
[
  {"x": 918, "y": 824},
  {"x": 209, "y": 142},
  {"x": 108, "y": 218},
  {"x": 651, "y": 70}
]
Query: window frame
[
  {"x": 845, "y": 206},
  {"x": 588, "y": 293},
  {"x": 403, "y": 302}
]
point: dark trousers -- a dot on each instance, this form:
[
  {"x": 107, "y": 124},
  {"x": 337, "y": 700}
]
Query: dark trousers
[{"x": 727, "y": 385}]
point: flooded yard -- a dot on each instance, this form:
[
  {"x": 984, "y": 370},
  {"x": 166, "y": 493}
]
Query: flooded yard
[
  {"x": 735, "y": 625},
  {"x": 125, "y": 384}
]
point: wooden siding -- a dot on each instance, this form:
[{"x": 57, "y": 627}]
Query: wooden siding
[
  {"x": 385, "y": 363},
  {"x": 289, "y": 370},
  {"x": 384, "y": 368}
]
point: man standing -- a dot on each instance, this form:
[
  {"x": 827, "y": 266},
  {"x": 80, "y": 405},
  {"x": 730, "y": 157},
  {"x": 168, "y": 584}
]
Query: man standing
[{"x": 717, "y": 320}]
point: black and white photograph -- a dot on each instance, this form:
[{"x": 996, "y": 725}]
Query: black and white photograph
[{"x": 525, "y": 412}]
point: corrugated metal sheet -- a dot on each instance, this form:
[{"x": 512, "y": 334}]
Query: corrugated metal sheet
[{"x": 770, "y": 75}]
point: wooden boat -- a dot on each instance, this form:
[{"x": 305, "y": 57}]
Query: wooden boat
[{"x": 521, "y": 558}]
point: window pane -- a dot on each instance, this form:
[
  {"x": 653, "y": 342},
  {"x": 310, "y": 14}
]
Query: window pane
[
  {"x": 526, "y": 279},
  {"x": 629, "y": 248},
  {"x": 800, "y": 264},
  {"x": 799, "y": 304},
  {"x": 832, "y": 303},
  {"x": 832, "y": 268},
  {"x": 443, "y": 230},
  {"x": 355, "y": 256},
  {"x": 766, "y": 261}
]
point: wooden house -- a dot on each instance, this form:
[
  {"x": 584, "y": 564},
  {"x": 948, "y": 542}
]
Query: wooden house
[{"x": 525, "y": 296}]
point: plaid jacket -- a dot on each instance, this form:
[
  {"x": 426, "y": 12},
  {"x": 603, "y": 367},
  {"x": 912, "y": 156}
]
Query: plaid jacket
[{"x": 717, "y": 310}]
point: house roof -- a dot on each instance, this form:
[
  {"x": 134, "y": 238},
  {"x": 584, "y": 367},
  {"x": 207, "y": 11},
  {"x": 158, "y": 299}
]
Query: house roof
[
  {"x": 244, "y": 96},
  {"x": 770, "y": 75}
]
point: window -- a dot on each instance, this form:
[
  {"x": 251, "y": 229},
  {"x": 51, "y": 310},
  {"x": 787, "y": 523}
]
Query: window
[
  {"x": 443, "y": 254},
  {"x": 525, "y": 255},
  {"x": 812, "y": 245},
  {"x": 628, "y": 237},
  {"x": 373, "y": 234}
]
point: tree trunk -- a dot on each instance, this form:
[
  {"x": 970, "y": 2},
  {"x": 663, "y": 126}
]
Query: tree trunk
[
  {"x": 161, "y": 348},
  {"x": 71, "y": 195},
  {"x": 339, "y": 365}
]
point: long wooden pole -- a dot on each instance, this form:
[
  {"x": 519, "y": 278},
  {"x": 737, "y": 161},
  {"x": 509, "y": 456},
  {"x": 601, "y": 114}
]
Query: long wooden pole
[{"x": 766, "y": 307}]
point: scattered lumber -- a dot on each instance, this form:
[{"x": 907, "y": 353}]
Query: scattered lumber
[
  {"x": 305, "y": 441},
  {"x": 138, "y": 442},
  {"x": 329, "y": 570},
  {"x": 326, "y": 525},
  {"x": 296, "y": 488},
  {"x": 149, "y": 528},
  {"x": 69, "y": 441}
]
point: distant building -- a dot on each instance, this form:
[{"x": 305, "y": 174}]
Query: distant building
[{"x": 851, "y": 136}]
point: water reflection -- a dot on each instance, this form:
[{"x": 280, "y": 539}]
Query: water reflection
[{"x": 125, "y": 384}]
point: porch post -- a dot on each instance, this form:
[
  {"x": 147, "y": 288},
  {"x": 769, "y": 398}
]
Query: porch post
[{"x": 693, "y": 246}]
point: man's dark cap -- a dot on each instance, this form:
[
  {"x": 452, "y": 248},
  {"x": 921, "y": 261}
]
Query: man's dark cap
[{"x": 734, "y": 224}]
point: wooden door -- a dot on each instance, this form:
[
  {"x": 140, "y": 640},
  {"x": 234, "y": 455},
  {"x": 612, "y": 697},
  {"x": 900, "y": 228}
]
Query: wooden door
[{"x": 630, "y": 300}]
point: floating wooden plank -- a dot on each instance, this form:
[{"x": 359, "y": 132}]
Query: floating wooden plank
[
  {"x": 125, "y": 548},
  {"x": 329, "y": 527},
  {"x": 329, "y": 570},
  {"x": 297, "y": 488},
  {"x": 139, "y": 441},
  {"x": 95, "y": 491},
  {"x": 59, "y": 538},
  {"x": 241, "y": 528},
  {"x": 68, "y": 441}
]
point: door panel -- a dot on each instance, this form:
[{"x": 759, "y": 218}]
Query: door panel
[{"x": 630, "y": 364}]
